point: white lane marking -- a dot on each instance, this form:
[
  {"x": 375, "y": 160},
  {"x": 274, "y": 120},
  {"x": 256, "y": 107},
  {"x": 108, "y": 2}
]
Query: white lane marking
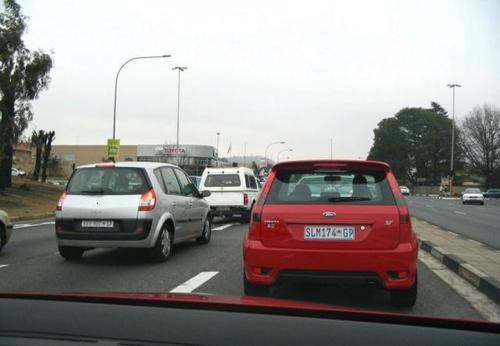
[
  {"x": 3, "y": 265},
  {"x": 484, "y": 305},
  {"x": 428, "y": 206},
  {"x": 26, "y": 225},
  {"x": 193, "y": 283},
  {"x": 56, "y": 253},
  {"x": 220, "y": 228},
  {"x": 459, "y": 212}
]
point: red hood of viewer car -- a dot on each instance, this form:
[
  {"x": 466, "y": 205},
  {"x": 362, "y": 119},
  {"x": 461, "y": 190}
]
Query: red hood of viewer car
[{"x": 247, "y": 304}]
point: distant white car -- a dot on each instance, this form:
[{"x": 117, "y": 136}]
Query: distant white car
[
  {"x": 233, "y": 190},
  {"x": 472, "y": 195},
  {"x": 17, "y": 172},
  {"x": 404, "y": 190}
]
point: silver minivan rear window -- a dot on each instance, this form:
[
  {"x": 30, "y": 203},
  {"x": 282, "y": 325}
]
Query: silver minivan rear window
[{"x": 108, "y": 181}]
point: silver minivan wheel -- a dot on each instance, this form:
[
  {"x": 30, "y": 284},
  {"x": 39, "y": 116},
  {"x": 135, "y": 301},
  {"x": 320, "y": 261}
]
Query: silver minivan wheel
[
  {"x": 165, "y": 242},
  {"x": 163, "y": 247},
  {"x": 207, "y": 232}
]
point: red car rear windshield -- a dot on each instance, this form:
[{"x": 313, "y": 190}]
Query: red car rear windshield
[
  {"x": 330, "y": 186},
  {"x": 108, "y": 181}
]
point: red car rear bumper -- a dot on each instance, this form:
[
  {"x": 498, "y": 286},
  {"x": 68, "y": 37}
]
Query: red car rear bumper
[{"x": 394, "y": 269}]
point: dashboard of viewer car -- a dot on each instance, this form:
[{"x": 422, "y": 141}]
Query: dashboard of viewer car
[{"x": 72, "y": 321}]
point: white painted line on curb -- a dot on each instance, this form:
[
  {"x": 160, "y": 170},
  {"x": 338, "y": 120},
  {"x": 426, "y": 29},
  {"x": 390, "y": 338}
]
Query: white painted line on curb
[
  {"x": 3, "y": 265},
  {"x": 484, "y": 305},
  {"x": 475, "y": 242},
  {"x": 459, "y": 212},
  {"x": 220, "y": 228},
  {"x": 193, "y": 283},
  {"x": 26, "y": 225},
  {"x": 452, "y": 233}
]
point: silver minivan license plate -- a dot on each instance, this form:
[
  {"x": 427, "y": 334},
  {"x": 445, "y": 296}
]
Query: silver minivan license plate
[{"x": 97, "y": 223}]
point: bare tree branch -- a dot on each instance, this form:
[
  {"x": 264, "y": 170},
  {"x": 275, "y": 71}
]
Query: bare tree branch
[{"x": 481, "y": 141}]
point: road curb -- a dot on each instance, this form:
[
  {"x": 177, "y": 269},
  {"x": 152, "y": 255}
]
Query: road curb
[
  {"x": 32, "y": 217},
  {"x": 487, "y": 285}
]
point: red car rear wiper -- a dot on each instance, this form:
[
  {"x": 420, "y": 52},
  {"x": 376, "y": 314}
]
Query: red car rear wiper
[{"x": 348, "y": 199}]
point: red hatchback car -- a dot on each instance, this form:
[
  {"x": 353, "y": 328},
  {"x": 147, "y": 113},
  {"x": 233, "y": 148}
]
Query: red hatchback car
[{"x": 332, "y": 221}]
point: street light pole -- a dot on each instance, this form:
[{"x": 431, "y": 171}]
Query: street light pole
[
  {"x": 282, "y": 151},
  {"x": 217, "y": 163},
  {"x": 265, "y": 153},
  {"x": 180, "y": 69},
  {"x": 118, "y": 74},
  {"x": 331, "y": 148},
  {"x": 452, "y": 86}
]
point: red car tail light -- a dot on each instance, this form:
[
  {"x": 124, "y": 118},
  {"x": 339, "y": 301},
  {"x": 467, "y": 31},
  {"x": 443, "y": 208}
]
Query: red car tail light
[
  {"x": 256, "y": 219},
  {"x": 245, "y": 199},
  {"x": 404, "y": 219},
  {"x": 61, "y": 201},
  {"x": 405, "y": 231},
  {"x": 148, "y": 200},
  {"x": 254, "y": 228}
]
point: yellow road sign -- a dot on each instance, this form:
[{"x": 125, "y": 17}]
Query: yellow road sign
[{"x": 113, "y": 148}]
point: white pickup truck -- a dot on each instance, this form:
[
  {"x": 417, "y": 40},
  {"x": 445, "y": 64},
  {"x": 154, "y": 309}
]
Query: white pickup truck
[{"x": 233, "y": 190}]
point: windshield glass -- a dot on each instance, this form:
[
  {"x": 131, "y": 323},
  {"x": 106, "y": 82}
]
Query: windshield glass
[
  {"x": 222, "y": 180},
  {"x": 323, "y": 187},
  {"x": 107, "y": 181},
  {"x": 337, "y": 152}
]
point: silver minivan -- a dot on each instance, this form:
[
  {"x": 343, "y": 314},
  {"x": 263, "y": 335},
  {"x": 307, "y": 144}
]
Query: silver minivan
[{"x": 130, "y": 205}]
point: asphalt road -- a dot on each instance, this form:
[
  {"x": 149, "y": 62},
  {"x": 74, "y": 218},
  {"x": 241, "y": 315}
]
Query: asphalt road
[
  {"x": 30, "y": 262},
  {"x": 478, "y": 222}
]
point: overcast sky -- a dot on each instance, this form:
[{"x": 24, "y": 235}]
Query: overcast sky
[{"x": 259, "y": 71}]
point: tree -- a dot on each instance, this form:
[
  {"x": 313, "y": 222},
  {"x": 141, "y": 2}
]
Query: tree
[
  {"x": 47, "y": 148},
  {"x": 255, "y": 168},
  {"x": 416, "y": 142},
  {"x": 23, "y": 74},
  {"x": 391, "y": 145},
  {"x": 481, "y": 142},
  {"x": 436, "y": 108},
  {"x": 38, "y": 141}
]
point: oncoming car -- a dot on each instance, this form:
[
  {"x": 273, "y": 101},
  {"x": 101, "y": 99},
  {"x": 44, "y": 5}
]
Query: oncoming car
[
  {"x": 472, "y": 195},
  {"x": 130, "y": 205},
  {"x": 404, "y": 190},
  {"x": 298, "y": 235},
  {"x": 492, "y": 193},
  {"x": 17, "y": 173},
  {"x": 5, "y": 229}
]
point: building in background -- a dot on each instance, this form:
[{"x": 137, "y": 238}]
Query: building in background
[
  {"x": 85, "y": 154},
  {"x": 192, "y": 158},
  {"x": 23, "y": 157},
  {"x": 247, "y": 161},
  {"x": 68, "y": 156}
]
